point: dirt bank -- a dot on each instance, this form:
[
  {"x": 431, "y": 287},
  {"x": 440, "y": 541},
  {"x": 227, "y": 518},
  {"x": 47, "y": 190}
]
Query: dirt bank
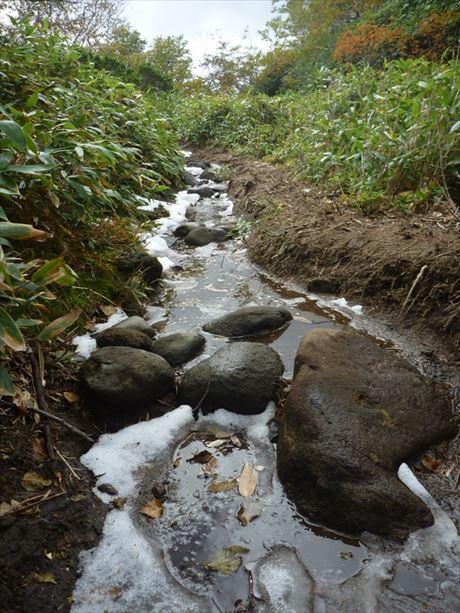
[{"x": 375, "y": 259}]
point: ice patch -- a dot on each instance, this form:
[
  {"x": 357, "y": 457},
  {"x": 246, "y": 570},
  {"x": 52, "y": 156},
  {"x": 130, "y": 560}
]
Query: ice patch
[
  {"x": 153, "y": 204},
  {"x": 154, "y": 314},
  {"x": 195, "y": 170},
  {"x": 186, "y": 154},
  {"x": 341, "y": 305}
]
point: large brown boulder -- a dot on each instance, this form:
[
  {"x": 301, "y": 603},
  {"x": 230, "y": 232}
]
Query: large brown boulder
[{"x": 355, "y": 412}]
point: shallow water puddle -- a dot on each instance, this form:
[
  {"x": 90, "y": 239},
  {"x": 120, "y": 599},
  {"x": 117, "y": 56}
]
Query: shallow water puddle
[{"x": 211, "y": 548}]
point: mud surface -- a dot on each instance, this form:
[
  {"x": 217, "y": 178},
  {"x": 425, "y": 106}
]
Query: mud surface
[{"x": 375, "y": 259}]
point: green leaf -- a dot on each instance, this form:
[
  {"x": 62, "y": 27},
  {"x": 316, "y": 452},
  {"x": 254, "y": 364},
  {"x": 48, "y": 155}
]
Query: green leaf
[
  {"x": 30, "y": 169},
  {"x": 14, "y": 132},
  {"x": 52, "y": 271},
  {"x": 5, "y": 158},
  {"x": 10, "y": 334},
  {"x": 32, "y": 100},
  {"x": 83, "y": 191},
  {"x": 28, "y": 323},
  {"x": 21, "y": 231},
  {"x": 58, "y": 326},
  {"x": 6, "y": 385}
]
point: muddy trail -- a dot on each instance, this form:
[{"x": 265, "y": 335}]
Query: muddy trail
[{"x": 201, "y": 521}]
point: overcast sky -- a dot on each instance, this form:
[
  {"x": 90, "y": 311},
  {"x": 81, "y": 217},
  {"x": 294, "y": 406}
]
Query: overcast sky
[{"x": 201, "y": 22}]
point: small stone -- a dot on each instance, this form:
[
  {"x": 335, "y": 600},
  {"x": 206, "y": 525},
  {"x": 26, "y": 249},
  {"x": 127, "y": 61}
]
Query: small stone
[
  {"x": 158, "y": 490},
  {"x": 106, "y": 488}
]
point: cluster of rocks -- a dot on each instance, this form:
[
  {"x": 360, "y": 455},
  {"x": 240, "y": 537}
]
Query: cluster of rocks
[
  {"x": 355, "y": 411},
  {"x": 132, "y": 368}
]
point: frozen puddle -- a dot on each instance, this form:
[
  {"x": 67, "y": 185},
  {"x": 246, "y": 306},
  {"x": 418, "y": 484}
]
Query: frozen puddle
[
  {"x": 277, "y": 561},
  {"x": 141, "y": 560}
]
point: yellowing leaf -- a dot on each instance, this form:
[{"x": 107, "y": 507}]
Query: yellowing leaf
[
  {"x": 226, "y": 562},
  {"x": 222, "y": 486},
  {"x": 153, "y": 509},
  {"x": 32, "y": 481},
  {"x": 59, "y": 325},
  {"x": 38, "y": 449},
  {"x": 71, "y": 397},
  {"x": 43, "y": 578},
  {"x": 247, "y": 481}
]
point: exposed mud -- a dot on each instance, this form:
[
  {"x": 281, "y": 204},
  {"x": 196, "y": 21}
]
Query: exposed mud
[{"x": 306, "y": 235}]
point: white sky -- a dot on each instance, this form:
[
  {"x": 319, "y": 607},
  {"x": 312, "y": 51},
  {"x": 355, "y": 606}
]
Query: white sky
[{"x": 201, "y": 22}]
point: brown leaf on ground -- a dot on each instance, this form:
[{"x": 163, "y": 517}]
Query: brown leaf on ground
[
  {"x": 436, "y": 466},
  {"x": 38, "y": 449},
  {"x": 71, "y": 397},
  {"x": 247, "y": 481},
  {"x": 43, "y": 578},
  {"x": 203, "y": 457},
  {"x": 222, "y": 486},
  {"x": 153, "y": 509},
  {"x": 226, "y": 561},
  {"x": 210, "y": 467},
  {"x": 249, "y": 511},
  {"x": 32, "y": 481}
]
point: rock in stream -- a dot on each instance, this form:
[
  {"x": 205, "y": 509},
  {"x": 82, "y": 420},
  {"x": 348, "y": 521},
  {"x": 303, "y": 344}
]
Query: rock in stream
[
  {"x": 354, "y": 413},
  {"x": 249, "y": 321}
]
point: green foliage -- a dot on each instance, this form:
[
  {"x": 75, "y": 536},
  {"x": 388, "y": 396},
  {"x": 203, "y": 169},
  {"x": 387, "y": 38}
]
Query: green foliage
[
  {"x": 77, "y": 150},
  {"x": 390, "y": 136},
  {"x": 171, "y": 57}
]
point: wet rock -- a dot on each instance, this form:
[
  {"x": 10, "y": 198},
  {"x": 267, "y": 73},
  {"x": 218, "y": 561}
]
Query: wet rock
[
  {"x": 249, "y": 321},
  {"x": 184, "y": 229},
  {"x": 122, "y": 379},
  {"x": 354, "y": 413},
  {"x": 193, "y": 161},
  {"x": 180, "y": 347},
  {"x": 209, "y": 174},
  {"x": 124, "y": 337},
  {"x": 159, "y": 490},
  {"x": 189, "y": 179},
  {"x": 219, "y": 187},
  {"x": 240, "y": 377},
  {"x": 203, "y": 191},
  {"x": 148, "y": 265},
  {"x": 202, "y": 235},
  {"x": 323, "y": 285},
  {"x": 136, "y": 323},
  {"x": 157, "y": 213},
  {"x": 106, "y": 488}
]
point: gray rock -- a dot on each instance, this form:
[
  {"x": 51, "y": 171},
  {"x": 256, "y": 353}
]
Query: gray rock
[
  {"x": 136, "y": 323},
  {"x": 323, "y": 285},
  {"x": 193, "y": 161},
  {"x": 219, "y": 187},
  {"x": 184, "y": 229},
  {"x": 180, "y": 347},
  {"x": 106, "y": 488},
  {"x": 189, "y": 179},
  {"x": 122, "y": 379},
  {"x": 249, "y": 321},
  {"x": 148, "y": 265},
  {"x": 209, "y": 174},
  {"x": 124, "y": 337},
  {"x": 202, "y": 235},
  {"x": 240, "y": 377},
  {"x": 354, "y": 413},
  {"x": 203, "y": 191}
]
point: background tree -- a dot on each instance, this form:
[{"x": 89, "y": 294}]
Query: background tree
[
  {"x": 171, "y": 57},
  {"x": 124, "y": 44},
  {"x": 84, "y": 22},
  {"x": 232, "y": 68}
]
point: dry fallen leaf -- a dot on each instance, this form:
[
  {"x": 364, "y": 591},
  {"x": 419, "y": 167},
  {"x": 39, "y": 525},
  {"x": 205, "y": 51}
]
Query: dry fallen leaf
[
  {"x": 71, "y": 397},
  {"x": 304, "y": 320},
  {"x": 204, "y": 457},
  {"x": 210, "y": 467},
  {"x": 222, "y": 486},
  {"x": 32, "y": 481},
  {"x": 247, "y": 481},
  {"x": 346, "y": 555},
  {"x": 217, "y": 443},
  {"x": 435, "y": 466},
  {"x": 248, "y": 511},
  {"x": 38, "y": 449},
  {"x": 154, "y": 508},
  {"x": 5, "y": 508},
  {"x": 43, "y": 578},
  {"x": 78, "y": 497},
  {"x": 109, "y": 309}
]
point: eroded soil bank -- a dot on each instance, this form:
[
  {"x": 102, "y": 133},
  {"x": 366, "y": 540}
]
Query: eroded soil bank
[{"x": 404, "y": 267}]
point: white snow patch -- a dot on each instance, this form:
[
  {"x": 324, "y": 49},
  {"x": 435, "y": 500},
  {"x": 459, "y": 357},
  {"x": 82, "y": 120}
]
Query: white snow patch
[
  {"x": 186, "y": 154},
  {"x": 86, "y": 344},
  {"x": 195, "y": 170}
]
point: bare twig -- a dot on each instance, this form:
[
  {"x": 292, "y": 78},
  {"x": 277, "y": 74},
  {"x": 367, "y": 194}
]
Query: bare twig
[
  {"x": 64, "y": 423},
  {"x": 413, "y": 286},
  {"x": 41, "y": 399}
]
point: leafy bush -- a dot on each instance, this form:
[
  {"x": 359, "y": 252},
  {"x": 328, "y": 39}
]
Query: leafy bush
[
  {"x": 77, "y": 149},
  {"x": 389, "y": 135}
]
